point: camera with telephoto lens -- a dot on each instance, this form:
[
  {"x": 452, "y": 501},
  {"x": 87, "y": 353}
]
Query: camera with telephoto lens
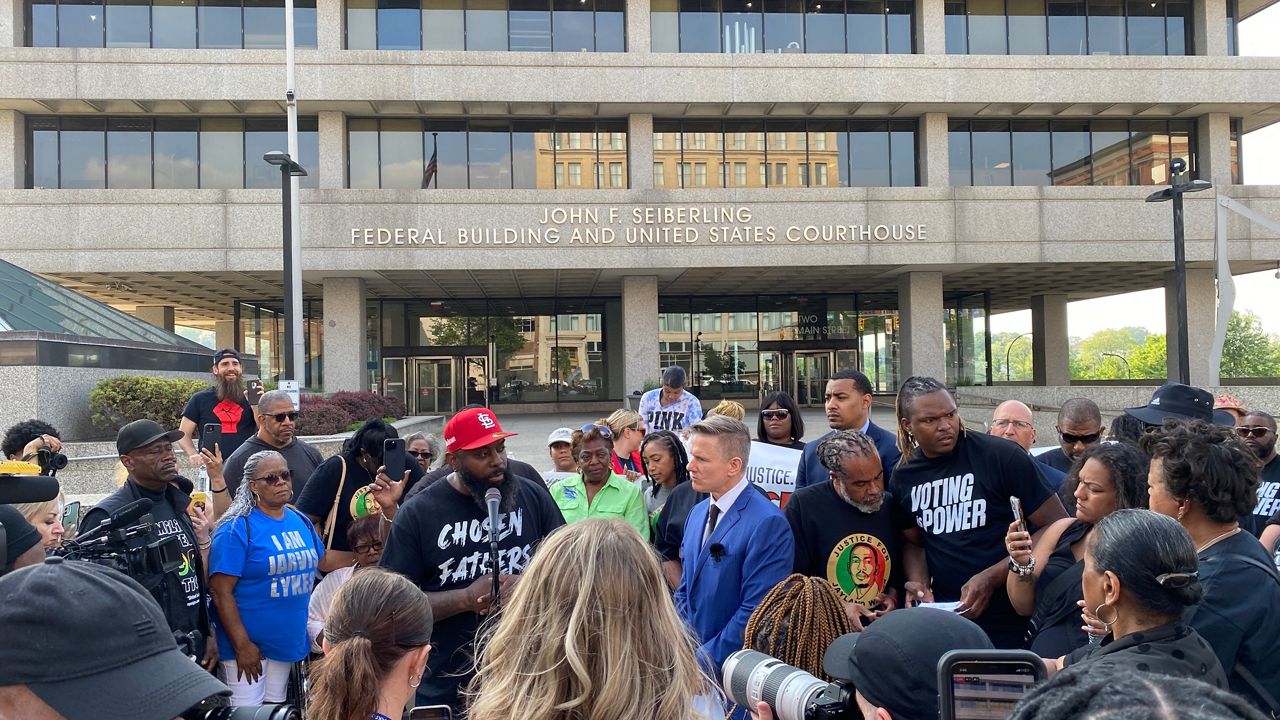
[
  {"x": 245, "y": 712},
  {"x": 751, "y": 677}
]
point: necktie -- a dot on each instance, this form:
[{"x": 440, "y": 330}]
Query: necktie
[{"x": 712, "y": 517}]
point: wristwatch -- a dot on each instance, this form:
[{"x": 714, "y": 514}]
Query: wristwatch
[{"x": 1022, "y": 570}]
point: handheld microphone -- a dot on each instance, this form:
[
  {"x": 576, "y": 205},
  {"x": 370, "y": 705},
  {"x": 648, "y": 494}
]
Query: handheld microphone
[{"x": 493, "y": 499}]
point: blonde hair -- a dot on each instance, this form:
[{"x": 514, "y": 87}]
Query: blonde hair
[
  {"x": 622, "y": 419},
  {"x": 590, "y": 633},
  {"x": 32, "y": 511},
  {"x": 729, "y": 408}
]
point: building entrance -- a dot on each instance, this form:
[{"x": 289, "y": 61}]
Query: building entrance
[{"x": 803, "y": 372}]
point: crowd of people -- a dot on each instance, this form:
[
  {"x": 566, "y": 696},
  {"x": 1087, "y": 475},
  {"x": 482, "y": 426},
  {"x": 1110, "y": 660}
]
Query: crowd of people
[{"x": 1136, "y": 560}]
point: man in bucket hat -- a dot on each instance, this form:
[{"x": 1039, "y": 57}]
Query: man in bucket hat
[
  {"x": 440, "y": 540},
  {"x": 1175, "y": 401}
]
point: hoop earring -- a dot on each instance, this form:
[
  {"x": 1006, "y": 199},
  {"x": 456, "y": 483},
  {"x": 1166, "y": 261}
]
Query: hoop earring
[
  {"x": 1106, "y": 624},
  {"x": 413, "y": 683}
]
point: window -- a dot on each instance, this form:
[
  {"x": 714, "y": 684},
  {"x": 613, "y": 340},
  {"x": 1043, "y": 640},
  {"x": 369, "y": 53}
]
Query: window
[
  {"x": 782, "y": 26},
  {"x": 517, "y": 25},
  {"x": 575, "y": 174},
  {"x": 168, "y": 23},
  {"x": 1068, "y": 27},
  {"x": 659, "y": 175}
]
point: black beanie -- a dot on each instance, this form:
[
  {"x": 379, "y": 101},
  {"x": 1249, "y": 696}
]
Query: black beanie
[{"x": 20, "y": 536}]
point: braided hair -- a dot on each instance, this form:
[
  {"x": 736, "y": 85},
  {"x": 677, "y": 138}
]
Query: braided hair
[
  {"x": 912, "y": 388},
  {"x": 245, "y": 500},
  {"x": 842, "y": 444},
  {"x": 797, "y": 621},
  {"x": 1081, "y": 692},
  {"x": 674, "y": 447}
]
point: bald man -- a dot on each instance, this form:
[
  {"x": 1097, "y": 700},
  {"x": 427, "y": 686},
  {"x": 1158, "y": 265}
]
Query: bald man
[{"x": 1012, "y": 421}]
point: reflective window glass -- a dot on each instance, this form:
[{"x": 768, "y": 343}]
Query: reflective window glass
[
  {"x": 362, "y": 153},
  {"x": 221, "y": 153},
  {"x": 1067, "y": 27},
  {"x": 574, "y": 29},
  {"x": 362, "y": 25},
  {"x": 43, "y": 31},
  {"x": 825, "y": 153},
  {"x": 742, "y": 25},
  {"x": 991, "y": 153},
  {"x": 532, "y": 156},
  {"x": 489, "y": 155},
  {"x": 869, "y": 155},
  {"x": 264, "y": 24},
  {"x": 865, "y": 25},
  {"x": 611, "y": 24},
  {"x": 129, "y": 153},
  {"x": 400, "y": 147},
  {"x": 824, "y": 26},
  {"x": 1070, "y": 146},
  {"x": 789, "y": 154},
  {"x": 1150, "y": 144},
  {"x": 1027, "y": 29},
  {"x": 442, "y": 25},
  {"x": 173, "y": 24},
  {"x": 399, "y": 23},
  {"x": 1110, "y": 152},
  {"x": 448, "y": 140},
  {"x": 899, "y": 20},
  {"x": 699, "y": 26},
  {"x": 1182, "y": 144},
  {"x": 80, "y": 24},
  {"x": 1106, "y": 27},
  {"x": 486, "y": 24},
  {"x": 83, "y": 153},
  {"x": 304, "y": 23},
  {"x": 703, "y": 148},
  {"x": 664, "y": 26},
  {"x": 960, "y": 161},
  {"x": 530, "y": 25},
  {"x": 309, "y": 151},
  {"x": 261, "y": 136},
  {"x": 902, "y": 155},
  {"x": 1031, "y": 158},
  {"x": 612, "y": 144},
  {"x": 783, "y": 26},
  {"x": 128, "y": 23},
  {"x": 1146, "y": 27},
  {"x": 955, "y": 19},
  {"x": 1178, "y": 28},
  {"x": 577, "y": 153},
  {"x": 220, "y": 23},
  {"x": 44, "y": 153},
  {"x": 987, "y": 30},
  {"x": 176, "y": 151},
  {"x": 666, "y": 153}
]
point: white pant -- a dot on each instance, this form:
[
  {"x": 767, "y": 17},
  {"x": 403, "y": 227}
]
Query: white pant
[{"x": 270, "y": 687}]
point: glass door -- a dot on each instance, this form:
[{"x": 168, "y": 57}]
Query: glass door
[
  {"x": 812, "y": 368},
  {"x": 434, "y": 391},
  {"x": 477, "y": 379},
  {"x": 393, "y": 379},
  {"x": 771, "y": 373}
]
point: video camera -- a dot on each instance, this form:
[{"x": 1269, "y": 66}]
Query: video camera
[{"x": 127, "y": 542}]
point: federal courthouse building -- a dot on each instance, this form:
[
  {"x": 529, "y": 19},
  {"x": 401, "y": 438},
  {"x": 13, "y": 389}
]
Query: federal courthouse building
[{"x": 546, "y": 201}]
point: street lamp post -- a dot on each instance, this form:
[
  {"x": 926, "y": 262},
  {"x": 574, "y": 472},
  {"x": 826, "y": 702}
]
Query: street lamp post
[
  {"x": 1008, "y": 348},
  {"x": 1123, "y": 359},
  {"x": 292, "y": 288},
  {"x": 1178, "y": 186}
]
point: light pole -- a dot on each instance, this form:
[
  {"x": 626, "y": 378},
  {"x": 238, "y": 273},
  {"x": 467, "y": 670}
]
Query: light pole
[
  {"x": 1128, "y": 375},
  {"x": 1178, "y": 186},
  {"x": 292, "y": 287},
  {"x": 1007, "y": 374},
  {"x": 697, "y": 350}
]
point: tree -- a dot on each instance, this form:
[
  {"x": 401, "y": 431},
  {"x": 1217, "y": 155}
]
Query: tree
[
  {"x": 1150, "y": 360},
  {"x": 471, "y": 331},
  {"x": 1019, "y": 366},
  {"x": 1249, "y": 352}
]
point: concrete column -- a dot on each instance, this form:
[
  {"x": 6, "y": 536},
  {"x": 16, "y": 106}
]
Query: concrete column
[
  {"x": 1050, "y": 344},
  {"x": 1202, "y": 309},
  {"x": 640, "y": 151},
  {"x": 331, "y": 24},
  {"x": 159, "y": 315},
  {"x": 614, "y": 334},
  {"x": 639, "y": 331},
  {"x": 921, "y": 340},
  {"x": 224, "y": 333},
  {"x": 1213, "y": 148},
  {"x": 333, "y": 149},
  {"x": 12, "y": 30},
  {"x": 1209, "y": 18},
  {"x": 345, "y": 344},
  {"x": 13, "y": 150},
  {"x": 638, "y": 31},
  {"x": 935, "y": 153},
  {"x": 930, "y": 27}
]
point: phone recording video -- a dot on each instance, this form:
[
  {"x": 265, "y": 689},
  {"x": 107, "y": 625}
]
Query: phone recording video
[
  {"x": 393, "y": 458},
  {"x": 431, "y": 712},
  {"x": 210, "y": 435},
  {"x": 982, "y": 684}
]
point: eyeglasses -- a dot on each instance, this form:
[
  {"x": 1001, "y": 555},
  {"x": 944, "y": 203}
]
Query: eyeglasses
[
  {"x": 375, "y": 546},
  {"x": 274, "y": 478},
  {"x": 1089, "y": 439},
  {"x": 604, "y": 430},
  {"x": 598, "y": 455},
  {"x": 424, "y": 454},
  {"x": 281, "y": 417},
  {"x": 1019, "y": 424},
  {"x": 1257, "y": 431},
  {"x": 775, "y": 414}
]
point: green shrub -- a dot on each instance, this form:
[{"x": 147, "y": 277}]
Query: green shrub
[
  {"x": 321, "y": 417},
  {"x": 118, "y": 401}
]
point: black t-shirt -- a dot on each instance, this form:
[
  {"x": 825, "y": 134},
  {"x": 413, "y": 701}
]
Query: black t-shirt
[
  {"x": 670, "y": 529},
  {"x": 235, "y": 416},
  {"x": 1268, "y": 498},
  {"x": 301, "y": 458},
  {"x": 1055, "y": 458},
  {"x": 1238, "y": 612},
  {"x": 1174, "y": 650},
  {"x": 859, "y": 553},
  {"x": 439, "y": 540},
  {"x": 317, "y": 495},
  {"x": 961, "y": 503}
]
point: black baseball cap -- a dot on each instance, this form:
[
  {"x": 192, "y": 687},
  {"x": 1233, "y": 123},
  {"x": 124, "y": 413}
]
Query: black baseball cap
[
  {"x": 19, "y": 535},
  {"x": 225, "y": 353},
  {"x": 141, "y": 433},
  {"x": 894, "y": 662},
  {"x": 1181, "y": 402},
  {"x": 93, "y": 645}
]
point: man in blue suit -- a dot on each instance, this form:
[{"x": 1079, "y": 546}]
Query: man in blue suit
[
  {"x": 737, "y": 545},
  {"x": 848, "y": 406}
]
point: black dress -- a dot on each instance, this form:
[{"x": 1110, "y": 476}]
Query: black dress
[
  {"x": 1054, "y": 629},
  {"x": 1174, "y": 649}
]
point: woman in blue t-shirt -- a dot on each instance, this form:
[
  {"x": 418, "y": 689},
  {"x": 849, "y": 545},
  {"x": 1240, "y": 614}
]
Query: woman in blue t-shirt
[{"x": 261, "y": 570}]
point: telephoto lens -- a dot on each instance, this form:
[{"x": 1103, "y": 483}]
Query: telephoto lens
[
  {"x": 752, "y": 677},
  {"x": 248, "y": 712}
]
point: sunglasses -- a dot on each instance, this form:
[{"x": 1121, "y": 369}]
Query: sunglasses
[
  {"x": 1089, "y": 439},
  {"x": 371, "y": 547},
  {"x": 604, "y": 430},
  {"x": 775, "y": 414},
  {"x": 1257, "y": 431},
  {"x": 424, "y": 454},
  {"x": 1177, "y": 580},
  {"x": 274, "y": 478},
  {"x": 281, "y": 417}
]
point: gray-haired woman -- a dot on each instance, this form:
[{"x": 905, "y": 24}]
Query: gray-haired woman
[
  {"x": 425, "y": 449},
  {"x": 261, "y": 571}
]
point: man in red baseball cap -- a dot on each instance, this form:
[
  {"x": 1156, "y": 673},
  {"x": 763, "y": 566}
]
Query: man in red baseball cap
[{"x": 440, "y": 540}]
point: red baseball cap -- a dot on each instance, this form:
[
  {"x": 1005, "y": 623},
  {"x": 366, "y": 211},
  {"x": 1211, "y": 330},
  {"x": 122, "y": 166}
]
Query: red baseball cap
[{"x": 472, "y": 428}]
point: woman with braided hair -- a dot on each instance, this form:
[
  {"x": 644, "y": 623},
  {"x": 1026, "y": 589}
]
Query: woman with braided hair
[
  {"x": 796, "y": 622},
  {"x": 669, "y": 496},
  {"x": 1077, "y": 694}
]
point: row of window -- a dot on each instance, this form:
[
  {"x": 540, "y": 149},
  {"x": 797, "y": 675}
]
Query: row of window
[
  {"x": 1069, "y": 27},
  {"x": 754, "y": 153},
  {"x": 167, "y": 23},
  {"x": 223, "y": 153},
  {"x": 519, "y": 25},
  {"x": 487, "y": 154},
  {"x": 782, "y": 26},
  {"x": 1097, "y": 152}
]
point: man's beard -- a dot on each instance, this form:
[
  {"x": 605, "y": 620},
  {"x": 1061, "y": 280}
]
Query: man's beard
[
  {"x": 1264, "y": 451},
  {"x": 510, "y": 488},
  {"x": 870, "y": 509},
  {"x": 230, "y": 389}
]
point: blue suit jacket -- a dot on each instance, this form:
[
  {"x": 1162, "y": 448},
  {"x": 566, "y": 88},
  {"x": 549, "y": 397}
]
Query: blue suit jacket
[
  {"x": 716, "y": 597},
  {"x": 812, "y": 472}
]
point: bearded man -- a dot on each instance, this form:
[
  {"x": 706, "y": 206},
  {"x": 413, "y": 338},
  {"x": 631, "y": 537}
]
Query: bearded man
[{"x": 224, "y": 404}]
